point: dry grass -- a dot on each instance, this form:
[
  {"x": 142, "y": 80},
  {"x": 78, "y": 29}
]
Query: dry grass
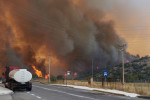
[{"x": 139, "y": 88}]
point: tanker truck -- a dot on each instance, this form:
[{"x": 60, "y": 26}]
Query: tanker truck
[{"x": 16, "y": 78}]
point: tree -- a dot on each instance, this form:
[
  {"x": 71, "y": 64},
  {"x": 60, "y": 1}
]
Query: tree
[
  {"x": 60, "y": 77},
  {"x": 53, "y": 79}
]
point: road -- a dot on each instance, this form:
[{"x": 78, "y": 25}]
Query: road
[{"x": 49, "y": 92}]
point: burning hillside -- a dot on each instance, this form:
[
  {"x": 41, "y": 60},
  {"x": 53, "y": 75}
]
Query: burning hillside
[{"x": 69, "y": 30}]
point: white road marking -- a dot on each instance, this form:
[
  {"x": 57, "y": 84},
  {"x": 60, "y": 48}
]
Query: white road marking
[
  {"x": 62, "y": 87},
  {"x": 125, "y": 98},
  {"x": 38, "y": 97},
  {"x": 33, "y": 94},
  {"x": 66, "y": 93}
]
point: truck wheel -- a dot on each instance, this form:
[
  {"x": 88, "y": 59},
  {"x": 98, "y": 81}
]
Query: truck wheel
[
  {"x": 6, "y": 86},
  {"x": 29, "y": 89},
  {"x": 13, "y": 89}
]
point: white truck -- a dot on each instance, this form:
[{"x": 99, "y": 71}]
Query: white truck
[{"x": 16, "y": 78}]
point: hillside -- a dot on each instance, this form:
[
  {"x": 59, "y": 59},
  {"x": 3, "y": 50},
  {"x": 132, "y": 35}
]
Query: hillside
[{"x": 137, "y": 70}]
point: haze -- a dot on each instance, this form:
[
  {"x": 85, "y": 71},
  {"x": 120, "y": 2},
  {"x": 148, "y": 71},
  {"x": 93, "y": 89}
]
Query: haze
[{"x": 131, "y": 19}]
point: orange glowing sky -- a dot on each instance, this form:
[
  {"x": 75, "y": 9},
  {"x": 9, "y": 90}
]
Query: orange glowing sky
[{"x": 131, "y": 19}]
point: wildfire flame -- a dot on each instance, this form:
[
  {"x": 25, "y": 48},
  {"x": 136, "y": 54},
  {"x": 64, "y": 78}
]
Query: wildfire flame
[
  {"x": 39, "y": 73},
  {"x": 47, "y": 76}
]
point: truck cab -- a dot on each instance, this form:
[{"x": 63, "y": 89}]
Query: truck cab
[{"x": 8, "y": 69}]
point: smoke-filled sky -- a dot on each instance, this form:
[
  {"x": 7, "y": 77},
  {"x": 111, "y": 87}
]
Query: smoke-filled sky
[
  {"x": 73, "y": 31},
  {"x": 131, "y": 21}
]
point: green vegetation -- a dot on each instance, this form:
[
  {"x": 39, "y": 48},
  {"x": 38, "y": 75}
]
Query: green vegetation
[
  {"x": 135, "y": 71},
  {"x": 34, "y": 76},
  {"x": 53, "y": 79},
  {"x": 60, "y": 77}
]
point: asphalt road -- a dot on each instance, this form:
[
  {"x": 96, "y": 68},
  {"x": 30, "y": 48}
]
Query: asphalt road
[{"x": 49, "y": 92}]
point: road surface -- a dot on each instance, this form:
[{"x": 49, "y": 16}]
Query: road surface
[{"x": 49, "y": 92}]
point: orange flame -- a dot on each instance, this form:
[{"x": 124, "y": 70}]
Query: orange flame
[
  {"x": 47, "y": 76},
  {"x": 37, "y": 72}
]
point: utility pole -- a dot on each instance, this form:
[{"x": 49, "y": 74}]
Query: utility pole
[
  {"x": 122, "y": 48},
  {"x": 92, "y": 68},
  {"x": 49, "y": 68}
]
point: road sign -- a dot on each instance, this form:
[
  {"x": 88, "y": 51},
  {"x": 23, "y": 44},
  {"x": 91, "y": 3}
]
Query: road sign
[
  {"x": 65, "y": 75},
  {"x": 105, "y": 73},
  {"x": 68, "y": 72},
  {"x": 75, "y": 74}
]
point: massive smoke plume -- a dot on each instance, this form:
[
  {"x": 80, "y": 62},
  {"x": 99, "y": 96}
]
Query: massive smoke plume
[{"x": 68, "y": 30}]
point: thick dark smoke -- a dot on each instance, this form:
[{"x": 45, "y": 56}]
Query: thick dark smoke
[{"x": 72, "y": 33}]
